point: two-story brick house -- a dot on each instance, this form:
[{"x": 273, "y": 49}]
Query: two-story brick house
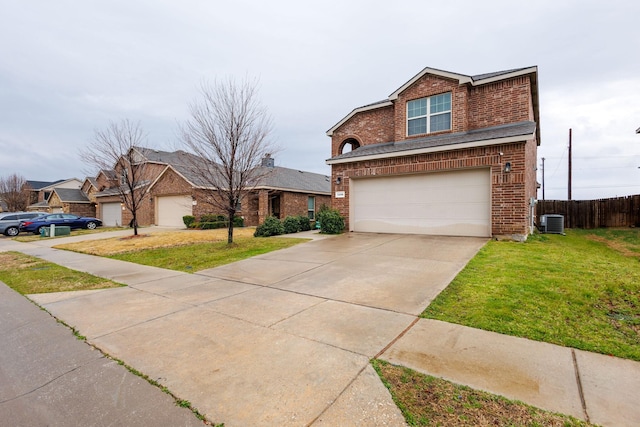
[{"x": 445, "y": 154}]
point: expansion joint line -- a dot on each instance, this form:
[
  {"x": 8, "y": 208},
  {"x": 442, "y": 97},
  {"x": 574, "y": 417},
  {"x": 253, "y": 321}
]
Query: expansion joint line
[{"x": 579, "y": 382}]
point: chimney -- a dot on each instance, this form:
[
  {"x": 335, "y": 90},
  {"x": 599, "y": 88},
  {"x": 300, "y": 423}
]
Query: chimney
[{"x": 268, "y": 161}]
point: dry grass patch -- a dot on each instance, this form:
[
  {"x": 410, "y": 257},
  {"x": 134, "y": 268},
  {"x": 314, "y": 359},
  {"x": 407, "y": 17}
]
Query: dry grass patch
[
  {"x": 428, "y": 401},
  {"x": 164, "y": 239}
]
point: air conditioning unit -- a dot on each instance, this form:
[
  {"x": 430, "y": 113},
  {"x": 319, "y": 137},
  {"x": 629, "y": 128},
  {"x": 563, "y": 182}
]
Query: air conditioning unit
[{"x": 552, "y": 223}]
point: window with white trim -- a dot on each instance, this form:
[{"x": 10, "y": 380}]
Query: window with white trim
[{"x": 426, "y": 115}]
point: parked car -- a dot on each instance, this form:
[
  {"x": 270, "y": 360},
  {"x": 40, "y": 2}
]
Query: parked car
[
  {"x": 74, "y": 221},
  {"x": 10, "y": 221}
]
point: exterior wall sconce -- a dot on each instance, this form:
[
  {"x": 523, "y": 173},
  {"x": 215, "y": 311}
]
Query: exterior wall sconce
[
  {"x": 339, "y": 180},
  {"x": 507, "y": 167}
]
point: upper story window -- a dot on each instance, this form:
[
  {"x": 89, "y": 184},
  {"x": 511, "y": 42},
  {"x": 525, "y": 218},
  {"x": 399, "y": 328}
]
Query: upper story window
[{"x": 426, "y": 115}]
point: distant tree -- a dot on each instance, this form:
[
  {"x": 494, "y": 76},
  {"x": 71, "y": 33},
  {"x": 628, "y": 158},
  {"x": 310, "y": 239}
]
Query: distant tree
[
  {"x": 229, "y": 134},
  {"x": 116, "y": 148},
  {"x": 14, "y": 192}
]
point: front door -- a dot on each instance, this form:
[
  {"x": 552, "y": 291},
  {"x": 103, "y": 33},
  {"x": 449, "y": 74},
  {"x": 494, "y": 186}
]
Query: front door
[{"x": 274, "y": 204}]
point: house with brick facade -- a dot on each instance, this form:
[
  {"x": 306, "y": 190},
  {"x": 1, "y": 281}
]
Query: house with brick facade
[
  {"x": 174, "y": 189},
  {"x": 62, "y": 196},
  {"x": 444, "y": 154}
]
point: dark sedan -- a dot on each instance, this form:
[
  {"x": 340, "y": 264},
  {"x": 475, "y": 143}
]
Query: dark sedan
[{"x": 73, "y": 221}]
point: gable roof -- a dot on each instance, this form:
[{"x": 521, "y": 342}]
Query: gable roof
[
  {"x": 71, "y": 195},
  {"x": 502, "y": 134},
  {"x": 37, "y": 185},
  {"x": 276, "y": 178},
  {"x": 477, "y": 80},
  {"x": 55, "y": 184},
  {"x": 280, "y": 178},
  {"x": 92, "y": 181}
]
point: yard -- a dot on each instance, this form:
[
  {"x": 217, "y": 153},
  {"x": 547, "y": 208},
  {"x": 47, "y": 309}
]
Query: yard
[
  {"x": 581, "y": 290},
  {"x": 188, "y": 251}
]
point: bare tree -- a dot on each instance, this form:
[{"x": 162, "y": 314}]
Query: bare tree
[
  {"x": 228, "y": 133},
  {"x": 14, "y": 193},
  {"x": 116, "y": 148}
]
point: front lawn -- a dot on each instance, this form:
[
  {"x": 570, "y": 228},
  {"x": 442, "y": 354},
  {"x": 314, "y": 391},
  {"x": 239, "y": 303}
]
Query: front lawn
[
  {"x": 189, "y": 251},
  {"x": 581, "y": 290},
  {"x": 30, "y": 275}
]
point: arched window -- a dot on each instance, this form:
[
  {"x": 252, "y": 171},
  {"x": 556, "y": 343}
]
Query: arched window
[{"x": 348, "y": 145}]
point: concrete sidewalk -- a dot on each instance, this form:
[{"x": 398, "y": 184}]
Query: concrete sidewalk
[
  {"x": 285, "y": 338},
  {"x": 50, "y": 378}
]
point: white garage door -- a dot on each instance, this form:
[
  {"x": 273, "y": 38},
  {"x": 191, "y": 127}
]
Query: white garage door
[
  {"x": 456, "y": 203},
  {"x": 171, "y": 209},
  {"x": 112, "y": 214}
]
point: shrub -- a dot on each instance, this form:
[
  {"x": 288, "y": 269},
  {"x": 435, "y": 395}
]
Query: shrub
[
  {"x": 188, "y": 220},
  {"x": 212, "y": 218},
  {"x": 331, "y": 222},
  {"x": 212, "y": 225},
  {"x": 238, "y": 221},
  {"x": 304, "y": 224},
  {"x": 291, "y": 225},
  {"x": 270, "y": 227}
]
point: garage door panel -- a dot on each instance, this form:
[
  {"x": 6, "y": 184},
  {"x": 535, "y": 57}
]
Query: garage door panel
[
  {"x": 171, "y": 209},
  {"x": 112, "y": 214},
  {"x": 441, "y": 203}
]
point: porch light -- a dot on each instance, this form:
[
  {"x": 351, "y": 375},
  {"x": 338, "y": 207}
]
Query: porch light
[
  {"x": 507, "y": 167},
  {"x": 339, "y": 180}
]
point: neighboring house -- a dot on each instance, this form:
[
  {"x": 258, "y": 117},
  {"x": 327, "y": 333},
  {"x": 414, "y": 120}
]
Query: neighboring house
[
  {"x": 34, "y": 188},
  {"x": 3, "y": 206},
  {"x": 174, "y": 190},
  {"x": 62, "y": 196},
  {"x": 285, "y": 192},
  {"x": 71, "y": 200},
  {"x": 445, "y": 154}
]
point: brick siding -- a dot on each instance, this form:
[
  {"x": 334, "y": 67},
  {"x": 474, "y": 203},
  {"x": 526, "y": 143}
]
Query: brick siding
[{"x": 493, "y": 104}]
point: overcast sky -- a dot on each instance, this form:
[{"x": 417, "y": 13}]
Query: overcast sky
[{"x": 69, "y": 67}]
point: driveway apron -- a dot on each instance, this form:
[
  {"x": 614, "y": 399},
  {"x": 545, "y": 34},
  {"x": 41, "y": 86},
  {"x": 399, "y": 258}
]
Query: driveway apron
[{"x": 283, "y": 338}]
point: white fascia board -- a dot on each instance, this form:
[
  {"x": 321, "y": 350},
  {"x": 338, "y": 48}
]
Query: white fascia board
[
  {"x": 461, "y": 146},
  {"x": 460, "y": 77},
  {"x": 356, "y": 111},
  {"x": 523, "y": 72}
]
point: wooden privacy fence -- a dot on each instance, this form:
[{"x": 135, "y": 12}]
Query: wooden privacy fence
[{"x": 618, "y": 212}]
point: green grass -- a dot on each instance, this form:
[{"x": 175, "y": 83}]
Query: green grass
[
  {"x": 29, "y": 275},
  {"x": 191, "y": 258},
  {"x": 581, "y": 290}
]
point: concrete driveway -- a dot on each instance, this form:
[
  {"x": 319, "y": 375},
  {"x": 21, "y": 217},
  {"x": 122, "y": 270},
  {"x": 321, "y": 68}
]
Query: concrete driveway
[{"x": 280, "y": 339}]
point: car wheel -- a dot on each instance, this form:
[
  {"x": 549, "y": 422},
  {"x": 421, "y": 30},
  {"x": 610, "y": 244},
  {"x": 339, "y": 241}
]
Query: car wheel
[
  {"x": 91, "y": 225},
  {"x": 12, "y": 231}
]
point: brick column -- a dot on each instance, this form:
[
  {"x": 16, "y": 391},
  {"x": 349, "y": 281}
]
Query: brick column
[{"x": 263, "y": 205}]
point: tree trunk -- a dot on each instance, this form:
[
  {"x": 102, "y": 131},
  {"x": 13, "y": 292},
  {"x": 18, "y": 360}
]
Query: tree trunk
[{"x": 230, "y": 229}]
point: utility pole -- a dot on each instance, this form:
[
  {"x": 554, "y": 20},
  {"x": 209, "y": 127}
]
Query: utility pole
[
  {"x": 569, "y": 164},
  {"x": 543, "y": 179}
]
